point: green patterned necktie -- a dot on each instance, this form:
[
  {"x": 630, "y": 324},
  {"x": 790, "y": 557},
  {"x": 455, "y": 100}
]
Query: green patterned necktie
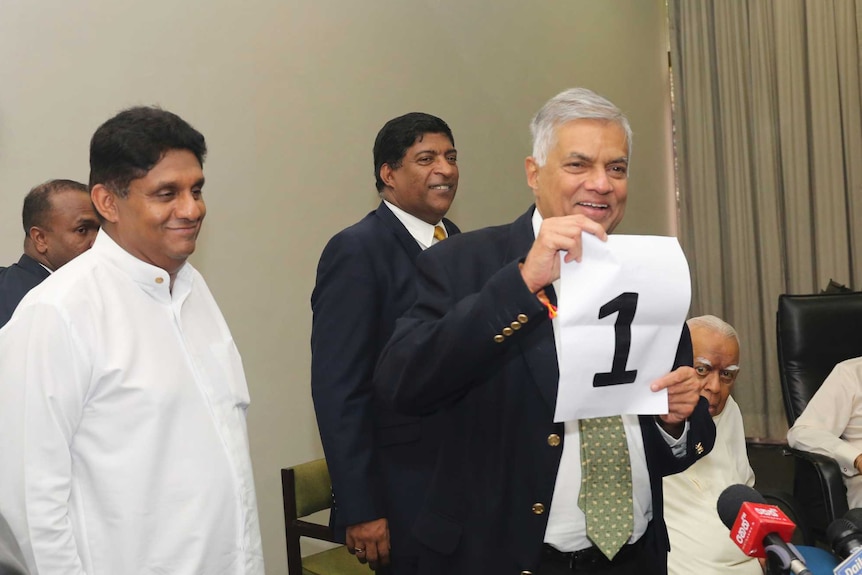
[{"x": 606, "y": 483}]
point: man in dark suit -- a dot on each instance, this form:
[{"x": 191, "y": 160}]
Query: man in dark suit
[
  {"x": 59, "y": 224},
  {"x": 479, "y": 345},
  {"x": 380, "y": 462}
]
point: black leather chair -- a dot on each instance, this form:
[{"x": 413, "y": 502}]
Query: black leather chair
[{"x": 816, "y": 332}]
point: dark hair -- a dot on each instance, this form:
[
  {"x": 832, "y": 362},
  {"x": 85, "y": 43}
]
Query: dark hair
[
  {"x": 37, "y": 202},
  {"x": 128, "y": 145},
  {"x": 398, "y": 134}
]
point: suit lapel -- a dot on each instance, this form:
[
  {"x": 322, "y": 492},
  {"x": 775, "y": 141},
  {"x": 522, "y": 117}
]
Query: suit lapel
[
  {"x": 408, "y": 242},
  {"x": 394, "y": 225},
  {"x": 538, "y": 347},
  {"x": 451, "y": 228}
]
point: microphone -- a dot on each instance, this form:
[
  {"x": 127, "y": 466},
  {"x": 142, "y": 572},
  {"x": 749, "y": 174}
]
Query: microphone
[
  {"x": 759, "y": 529},
  {"x": 854, "y": 516},
  {"x": 844, "y": 537}
]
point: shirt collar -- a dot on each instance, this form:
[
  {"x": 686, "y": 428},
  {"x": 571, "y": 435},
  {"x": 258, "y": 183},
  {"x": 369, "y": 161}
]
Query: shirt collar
[
  {"x": 152, "y": 279},
  {"x": 422, "y": 232},
  {"x": 537, "y": 222}
]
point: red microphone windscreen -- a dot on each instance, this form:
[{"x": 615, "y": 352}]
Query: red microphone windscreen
[{"x": 754, "y": 522}]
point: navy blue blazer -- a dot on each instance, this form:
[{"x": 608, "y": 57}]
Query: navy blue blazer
[
  {"x": 16, "y": 281},
  {"x": 380, "y": 462},
  {"x": 497, "y": 458}
]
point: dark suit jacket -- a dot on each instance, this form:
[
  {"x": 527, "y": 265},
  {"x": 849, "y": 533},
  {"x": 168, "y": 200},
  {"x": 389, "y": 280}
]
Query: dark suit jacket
[
  {"x": 380, "y": 462},
  {"x": 16, "y": 281},
  {"x": 496, "y": 460}
]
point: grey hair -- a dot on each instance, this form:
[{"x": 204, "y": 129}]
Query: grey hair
[
  {"x": 572, "y": 104},
  {"x": 715, "y": 324}
]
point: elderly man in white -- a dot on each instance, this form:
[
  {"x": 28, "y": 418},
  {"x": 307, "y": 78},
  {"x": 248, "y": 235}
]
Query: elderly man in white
[{"x": 699, "y": 541}]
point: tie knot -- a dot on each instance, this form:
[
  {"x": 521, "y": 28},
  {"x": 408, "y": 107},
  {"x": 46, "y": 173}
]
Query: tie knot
[{"x": 439, "y": 233}]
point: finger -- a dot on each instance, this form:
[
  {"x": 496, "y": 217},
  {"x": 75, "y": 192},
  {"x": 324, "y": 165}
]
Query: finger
[
  {"x": 677, "y": 376},
  {"x": 663, "y": 382},
  {"x": 359, "y": 548},
  {"x": 383, "y": 553},
  {"x": 371, "y": 554},
  {"x": 360, "y": 554},
  {"x": 592, "y": 227},
  {"x": 575, "y": 250}
]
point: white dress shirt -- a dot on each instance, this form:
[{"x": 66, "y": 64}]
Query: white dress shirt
[
  {"x": 699, "y": 541},
  {"x": 832, "y": 424},
  {"x": 567, "y": 527},
  {"x": 422, "y": 232},
  {"x": 123, "y": 425}
]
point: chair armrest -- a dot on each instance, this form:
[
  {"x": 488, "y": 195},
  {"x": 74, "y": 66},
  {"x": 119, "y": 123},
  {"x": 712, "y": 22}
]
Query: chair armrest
[
  {"x": 313, "y": 530},
  {"x": 819, "y": 477},
  {"x": 792, "y": 508}
]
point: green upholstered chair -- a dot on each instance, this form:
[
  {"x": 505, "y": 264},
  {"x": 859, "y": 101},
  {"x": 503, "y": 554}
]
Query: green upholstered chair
[{"x": 306, "y": 489}]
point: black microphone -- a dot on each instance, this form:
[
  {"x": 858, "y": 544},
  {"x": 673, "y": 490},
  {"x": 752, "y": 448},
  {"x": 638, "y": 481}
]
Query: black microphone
[
  {"x": 854, "y": 516},
  {"x": 844, "y": 537},
  {"x": 759, "y": 529}
]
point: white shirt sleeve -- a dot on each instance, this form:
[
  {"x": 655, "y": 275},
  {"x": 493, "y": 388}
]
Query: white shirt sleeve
[
  {"x": 823, "y": 426},
  {"x": 37, "y": 488}
]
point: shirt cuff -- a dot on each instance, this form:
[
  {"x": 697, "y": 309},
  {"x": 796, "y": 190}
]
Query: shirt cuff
[{"x": 677, "y": 445}]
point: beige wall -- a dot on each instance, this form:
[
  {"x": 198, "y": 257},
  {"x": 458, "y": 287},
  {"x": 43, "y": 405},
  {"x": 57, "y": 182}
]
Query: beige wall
[{"x": 290, "y": 95}]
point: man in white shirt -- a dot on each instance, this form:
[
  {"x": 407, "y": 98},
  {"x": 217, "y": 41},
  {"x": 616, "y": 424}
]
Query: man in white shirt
[
  {"x": 122, "y": 395},
  {"x": 380, "y": 462},
  {"x": 699, "y": 541},
  {"x": 831, "y": 424}
]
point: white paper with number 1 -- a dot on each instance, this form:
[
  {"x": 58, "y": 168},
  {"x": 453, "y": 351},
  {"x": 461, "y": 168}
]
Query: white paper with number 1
[{"x": 621, "y": 311}]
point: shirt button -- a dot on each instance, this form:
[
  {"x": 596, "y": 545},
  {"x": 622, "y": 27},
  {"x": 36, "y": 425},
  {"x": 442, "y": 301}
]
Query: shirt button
[
  {"x": 538, "y": 508},
  {"x": 553, "y": 440},
  {"x": 160, "y": 280},
  {"x": 499, "y": 338},
  {"x": 523, "y": 318},
  {"x": 507, "y": 331}
]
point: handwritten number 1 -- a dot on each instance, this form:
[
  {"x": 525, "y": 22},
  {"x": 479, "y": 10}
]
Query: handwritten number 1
[{"x": 624, "y": 305}]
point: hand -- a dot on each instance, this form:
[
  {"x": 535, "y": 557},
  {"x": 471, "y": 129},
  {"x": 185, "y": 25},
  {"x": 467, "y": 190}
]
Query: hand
[
  {"x": 683, "y": 392},
  {"x": 542, "y": 265},
  {"x": 857, "y": 463},
  {"x": 369, "y": 541}
]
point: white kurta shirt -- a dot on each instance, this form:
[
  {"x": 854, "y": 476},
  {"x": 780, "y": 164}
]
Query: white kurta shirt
[
  {"x": 123, "y": 425},
  {"x": 699, "y": 541},
  {"x": 832, "y": 424}
]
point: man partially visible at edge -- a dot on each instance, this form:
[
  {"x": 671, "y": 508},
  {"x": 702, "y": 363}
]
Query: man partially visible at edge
[{"x": 59, "y": 225}]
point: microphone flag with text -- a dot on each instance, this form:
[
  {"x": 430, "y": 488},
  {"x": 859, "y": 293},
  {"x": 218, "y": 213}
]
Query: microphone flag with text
[{"x": 759, "y": 529}]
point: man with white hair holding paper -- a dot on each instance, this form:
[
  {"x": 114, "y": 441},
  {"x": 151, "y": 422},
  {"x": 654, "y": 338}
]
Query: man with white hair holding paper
[{"x": 515, "y": 491}]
